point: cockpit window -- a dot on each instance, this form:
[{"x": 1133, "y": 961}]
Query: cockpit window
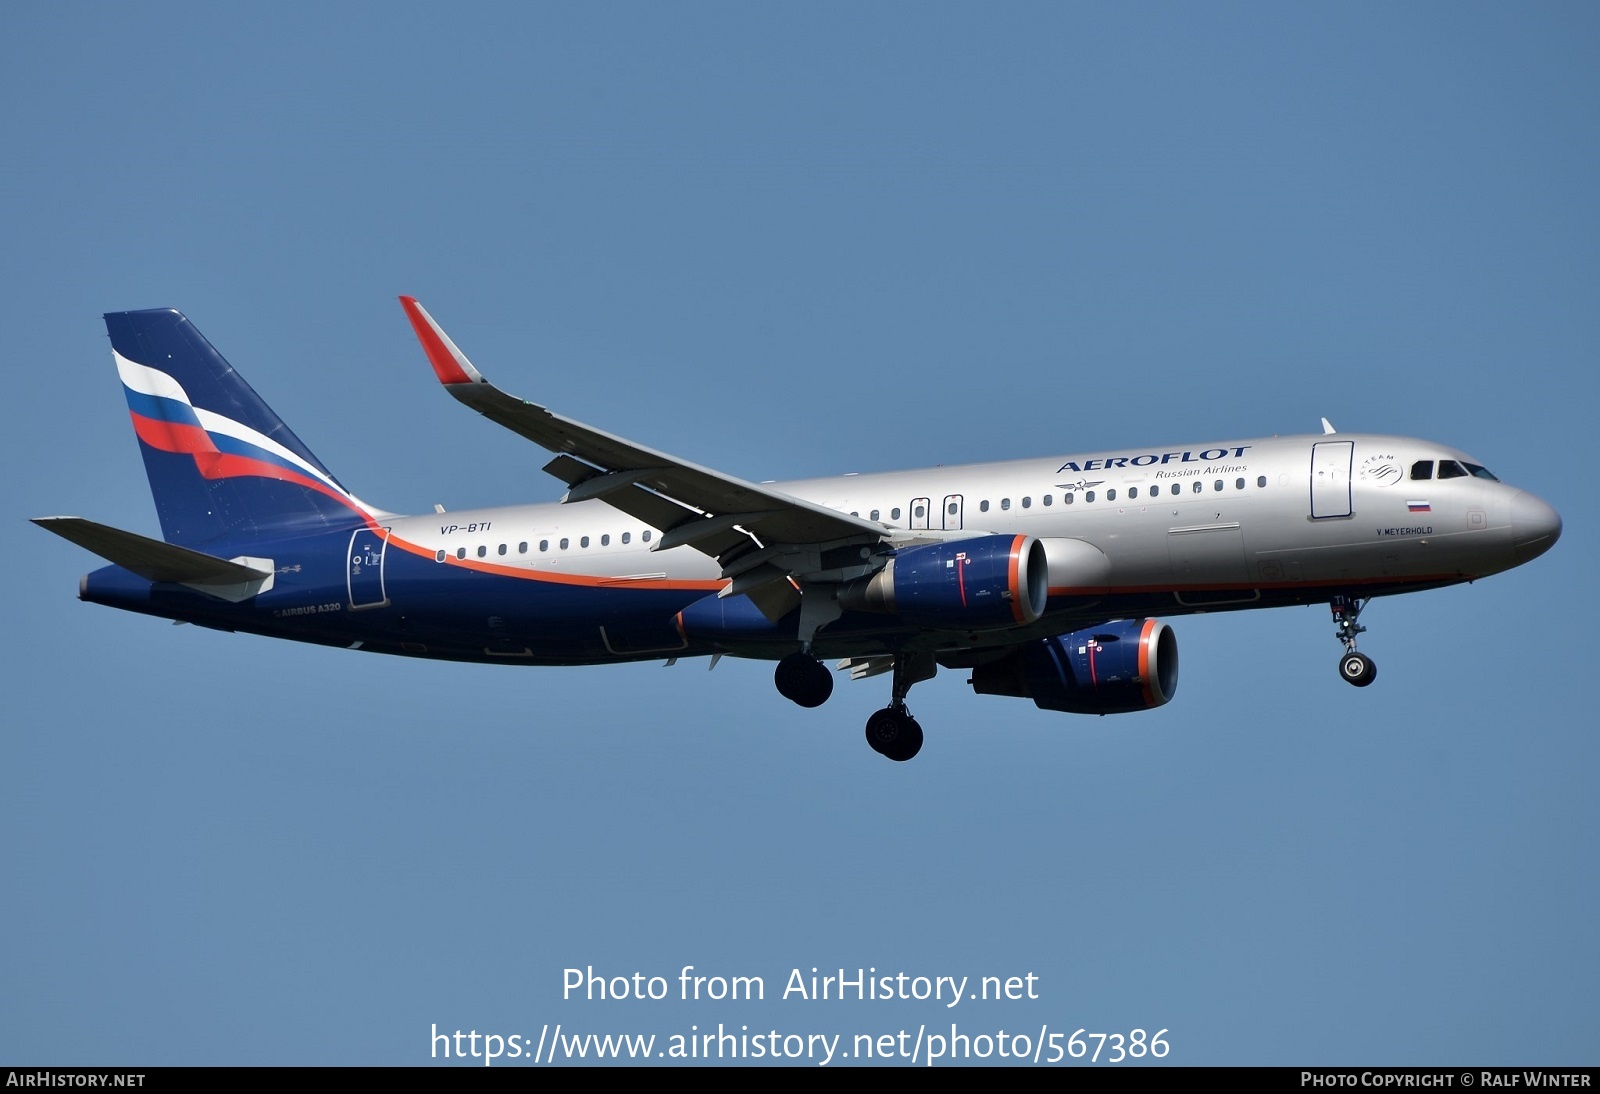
[
  {"x": 1422, "y": 469},
  {"x": 1450, "y": 469},
  {"x": 1478, "y": 471}
]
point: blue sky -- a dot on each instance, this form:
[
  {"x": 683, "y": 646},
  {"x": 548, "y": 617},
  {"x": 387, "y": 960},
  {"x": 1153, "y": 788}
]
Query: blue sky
[{"x": 790, "y": 241}]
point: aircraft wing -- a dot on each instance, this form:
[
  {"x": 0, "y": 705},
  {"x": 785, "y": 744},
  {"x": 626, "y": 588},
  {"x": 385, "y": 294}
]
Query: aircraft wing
[{"x": 692, "y": 505}]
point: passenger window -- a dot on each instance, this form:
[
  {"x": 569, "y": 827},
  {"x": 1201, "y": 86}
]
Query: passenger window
[
  {"x": 894, "y": 514},
  {"x": 1133, "y": 492},
  {"x": 502, "y": 548},
  {"x": 1261, "y": 481},
  {"x": 1049, "y": 499},
  {"x": 919, "y": 511},
  {"x": 627, "y": 537},
  {"x": 544, "y": 545},
  {"x": 1066, "y": 499},
  {"x": 983, "y": 506},
  {"x": 872, "y": 515},
  {"x": 1238, "y": 484},
  {"x": 461, "y": 552},
  {"x": 438, "y": 556},
  {"x": 1027, "y": 503},
  {"x": 1088, "y": 495},
  {"x": 1450, "y": 469},
  {"x": 1175, "y": 488},
  {"x": 522, "y": 548},
  {"x": 483, "y": 552},
  {"x": 1198, "y": 486},
  {"x": 1111, "y": 495},
  {"x": 605, "y": 540},
  {"x": 1422, "y": 470},
  {"x": 646, "y": 536},
  {"x": 1005, "y": 503},
  {"x": 951, "y": 508},
  {"x": 1219, "y": 484},
  {"x": 564, "y": 542},
  {"x": 584, "y": 542}
]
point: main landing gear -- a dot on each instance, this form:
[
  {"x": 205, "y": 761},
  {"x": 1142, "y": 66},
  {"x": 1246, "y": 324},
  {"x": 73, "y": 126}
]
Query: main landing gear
[
  {"x": 804, "y": 680},
  {"x": 1355, "y": 668},
  {"x": 891, "y": 732}
]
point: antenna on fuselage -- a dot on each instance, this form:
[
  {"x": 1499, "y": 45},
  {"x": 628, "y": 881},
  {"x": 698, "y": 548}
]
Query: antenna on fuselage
[{"x": 1327, "y": 426}]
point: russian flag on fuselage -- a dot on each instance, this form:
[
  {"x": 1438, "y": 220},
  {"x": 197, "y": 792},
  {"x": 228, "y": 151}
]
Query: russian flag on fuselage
[{"x": 221, "y": 464}]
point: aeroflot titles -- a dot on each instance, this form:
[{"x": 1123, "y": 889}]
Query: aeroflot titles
[{"x": 1106, "y": 463}]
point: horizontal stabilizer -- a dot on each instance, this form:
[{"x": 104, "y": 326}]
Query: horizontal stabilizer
[{"x": 155, "y": 560}]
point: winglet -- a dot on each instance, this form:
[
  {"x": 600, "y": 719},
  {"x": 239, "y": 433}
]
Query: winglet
[{"x": 449, "y": 363}]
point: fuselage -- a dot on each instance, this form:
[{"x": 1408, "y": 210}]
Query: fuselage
[{"x": 1166, "y": 530}]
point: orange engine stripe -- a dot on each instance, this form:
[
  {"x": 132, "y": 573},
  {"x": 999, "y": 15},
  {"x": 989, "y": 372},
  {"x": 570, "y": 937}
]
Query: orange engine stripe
[
  {"x": 1013, "y": 570},
  {"x": 1144, "y": 661}
]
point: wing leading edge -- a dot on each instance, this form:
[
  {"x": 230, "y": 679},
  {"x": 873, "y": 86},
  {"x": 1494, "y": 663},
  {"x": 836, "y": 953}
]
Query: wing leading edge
[{"x": 766, "y": 540}]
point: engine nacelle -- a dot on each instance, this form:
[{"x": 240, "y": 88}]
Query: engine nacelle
[
  {"x": 973, "y": 584},
  {"x": 1078, "y": 569},
  {"x": 1131, "y": 664}
]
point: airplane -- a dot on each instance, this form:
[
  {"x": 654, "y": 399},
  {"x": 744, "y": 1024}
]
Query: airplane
[{"x": 1042, "y": 578}]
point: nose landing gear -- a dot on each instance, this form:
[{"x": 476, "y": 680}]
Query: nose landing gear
[
  {"x": 1354, "y": 668},
  {"x": 1358, "y": 668}
]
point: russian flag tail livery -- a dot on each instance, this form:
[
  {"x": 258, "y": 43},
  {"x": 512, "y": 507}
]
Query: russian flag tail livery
[{"x": 222, "y": 466}]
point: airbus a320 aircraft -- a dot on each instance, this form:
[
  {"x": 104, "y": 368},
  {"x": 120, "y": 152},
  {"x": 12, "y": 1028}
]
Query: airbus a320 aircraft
[{"x": 1038, "y": 577}]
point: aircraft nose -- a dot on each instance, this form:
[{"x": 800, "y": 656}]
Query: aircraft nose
[{"x": 1535, "y": 527}]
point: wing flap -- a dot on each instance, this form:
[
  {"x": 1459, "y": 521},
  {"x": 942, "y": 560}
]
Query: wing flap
[{"x": 861, "y": 668}]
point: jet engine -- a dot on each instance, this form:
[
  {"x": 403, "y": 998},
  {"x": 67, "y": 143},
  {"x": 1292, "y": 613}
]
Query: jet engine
[
  {"x": 971, "y": 584},
  {"x": 1129, "y": 664}
]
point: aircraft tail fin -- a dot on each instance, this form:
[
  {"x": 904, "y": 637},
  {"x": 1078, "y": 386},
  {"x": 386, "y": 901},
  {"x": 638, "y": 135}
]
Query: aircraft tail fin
[{"x": 222, "y": 466}]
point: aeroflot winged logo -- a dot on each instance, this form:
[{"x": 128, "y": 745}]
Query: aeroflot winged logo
[{"x": 1106, "y": 463}]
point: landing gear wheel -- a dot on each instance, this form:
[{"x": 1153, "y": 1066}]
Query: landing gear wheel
[
  {"x": 1358, "y": 669},
  {"x": 1355, "y": 668},
  {"x": 804, "y": 680},
  {"x": 893, "y": 733}
]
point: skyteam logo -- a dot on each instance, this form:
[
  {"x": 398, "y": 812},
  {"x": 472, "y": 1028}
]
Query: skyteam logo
[{"x": 1382, "y": 470}]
